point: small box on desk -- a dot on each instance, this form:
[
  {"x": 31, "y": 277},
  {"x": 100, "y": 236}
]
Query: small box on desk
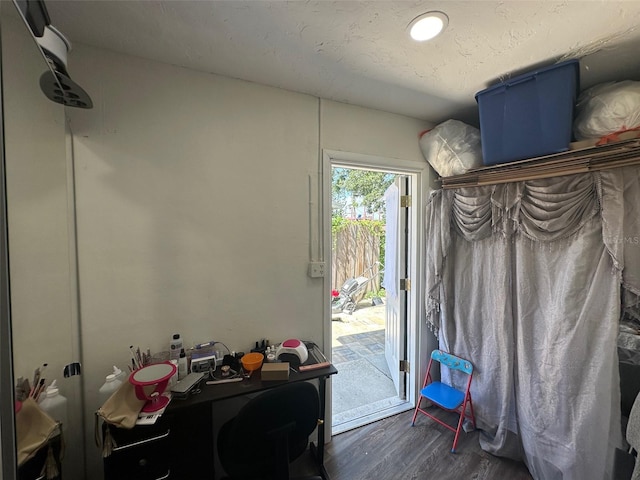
[
  {"x": 275, "y": 371},
  {"x": 530, "y": 115}
]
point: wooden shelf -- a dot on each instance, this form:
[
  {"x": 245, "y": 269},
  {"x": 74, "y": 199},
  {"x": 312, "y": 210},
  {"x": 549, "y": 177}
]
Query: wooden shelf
[{"x": 612, "y": 155}]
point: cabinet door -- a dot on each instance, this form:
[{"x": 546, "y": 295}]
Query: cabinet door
[
  {"x": 192, "y": 443},
  {"x": 178, "y": 446},
  {"x": 142, "y": 453},
  {"x": 32, "y": 469}
]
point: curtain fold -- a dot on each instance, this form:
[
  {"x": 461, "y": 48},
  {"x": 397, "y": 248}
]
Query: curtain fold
[
  {"x": 567, "y": 392},
  {"x": 524, "y": 280}
]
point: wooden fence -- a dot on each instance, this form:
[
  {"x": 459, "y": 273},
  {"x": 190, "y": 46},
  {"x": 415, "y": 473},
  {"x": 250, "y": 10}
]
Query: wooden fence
[{"x": 355, "y": 253}]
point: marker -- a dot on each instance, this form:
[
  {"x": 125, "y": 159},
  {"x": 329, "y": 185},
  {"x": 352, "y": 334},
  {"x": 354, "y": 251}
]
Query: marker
[
  {"x": 44, "y": 367},
  {"x": 133, "y": 357}
]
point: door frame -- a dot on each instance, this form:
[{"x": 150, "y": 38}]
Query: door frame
[{"x": 422, "y": 183}]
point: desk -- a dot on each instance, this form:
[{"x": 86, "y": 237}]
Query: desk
[{"x": 181, "y": 444}]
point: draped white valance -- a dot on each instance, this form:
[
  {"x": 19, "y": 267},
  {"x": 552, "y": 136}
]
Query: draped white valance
[{"x": 524, "y": 279}]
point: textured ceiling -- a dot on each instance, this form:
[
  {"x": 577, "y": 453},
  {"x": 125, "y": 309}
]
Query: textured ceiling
[{"x": 359, "y": 52}]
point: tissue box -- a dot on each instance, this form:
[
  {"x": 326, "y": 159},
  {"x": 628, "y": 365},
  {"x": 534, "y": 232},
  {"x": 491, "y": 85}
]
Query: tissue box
[{"x": 275, "y": 371}]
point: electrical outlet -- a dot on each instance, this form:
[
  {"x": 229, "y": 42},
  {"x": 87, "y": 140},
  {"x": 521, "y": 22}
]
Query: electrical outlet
[{"x": 316, "y": 269}]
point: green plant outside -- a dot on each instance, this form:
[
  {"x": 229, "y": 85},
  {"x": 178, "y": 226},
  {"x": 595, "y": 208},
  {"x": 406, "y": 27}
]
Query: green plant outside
[{"x": 379, "y": 294}]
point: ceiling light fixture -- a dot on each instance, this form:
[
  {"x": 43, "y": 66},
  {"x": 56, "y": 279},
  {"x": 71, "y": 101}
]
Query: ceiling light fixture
[{"x": 427, "y": 26}]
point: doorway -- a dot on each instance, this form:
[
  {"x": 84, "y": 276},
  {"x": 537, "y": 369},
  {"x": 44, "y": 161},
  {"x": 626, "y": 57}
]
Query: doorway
[{"x": 372, "y": 306}]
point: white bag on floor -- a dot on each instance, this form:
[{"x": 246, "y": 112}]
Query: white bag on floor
[{"x": 452, "y": 148}]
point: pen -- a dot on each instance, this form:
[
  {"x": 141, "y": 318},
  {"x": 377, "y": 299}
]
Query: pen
[
  {"x": 133, "y": 357},
  {"x": 39, "y": 390},
  {"x": 44, "y": 367},
  {"x": 36, "y": 380}
]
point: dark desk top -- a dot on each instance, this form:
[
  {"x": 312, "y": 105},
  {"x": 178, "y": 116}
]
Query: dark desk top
[{"x": 214, "y": 393}]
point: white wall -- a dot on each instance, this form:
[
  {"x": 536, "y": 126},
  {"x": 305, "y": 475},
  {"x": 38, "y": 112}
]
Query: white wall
[
  {"x": 193, "y": 217},
  {"x": 353, "y": 129}
]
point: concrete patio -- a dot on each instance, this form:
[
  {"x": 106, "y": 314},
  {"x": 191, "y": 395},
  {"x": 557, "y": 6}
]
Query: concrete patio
[{"x": 363, "y": 385}]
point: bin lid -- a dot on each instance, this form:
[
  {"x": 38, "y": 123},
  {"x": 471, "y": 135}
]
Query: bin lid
[{"x": 575, "y": 63}]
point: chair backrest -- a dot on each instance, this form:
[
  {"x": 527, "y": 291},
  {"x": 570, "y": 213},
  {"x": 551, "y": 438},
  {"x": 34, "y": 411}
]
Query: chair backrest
[
  {"x": 275, "y": 423},
  {"x": 453, "y": 362}
]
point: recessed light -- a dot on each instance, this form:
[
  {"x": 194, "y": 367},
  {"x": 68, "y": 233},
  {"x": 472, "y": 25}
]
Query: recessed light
[{"x": 427, "y": 26}]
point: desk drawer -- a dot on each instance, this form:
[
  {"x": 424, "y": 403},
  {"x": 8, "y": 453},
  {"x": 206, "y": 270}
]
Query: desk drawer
[{"x": 140, "y": 454}]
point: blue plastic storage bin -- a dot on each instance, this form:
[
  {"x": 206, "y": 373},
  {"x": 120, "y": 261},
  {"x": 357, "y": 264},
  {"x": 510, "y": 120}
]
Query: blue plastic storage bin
[{"x": 529, "y": 115}]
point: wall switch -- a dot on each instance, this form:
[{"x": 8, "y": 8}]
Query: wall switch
[{"x": 316, "y": 269}]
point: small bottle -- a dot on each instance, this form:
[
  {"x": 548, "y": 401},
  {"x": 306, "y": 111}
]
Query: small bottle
[
  {"x": 111, "y": 384},
  {"x": 55, "y": 404},
  {"x": 175, "y": 346},
  {"x": 182, "y": 365},
  {"x": 174, "y": 378},
  {"x": 120, "y": 375}
]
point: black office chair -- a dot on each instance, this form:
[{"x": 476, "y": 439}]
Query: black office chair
[{"x": 269, "y": 432}]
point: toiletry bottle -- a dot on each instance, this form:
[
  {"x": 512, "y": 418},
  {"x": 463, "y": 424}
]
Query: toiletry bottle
[
  {"x": 120, "y": 375},
  {"x": 111, "y": 384},
  {"x": 174, "y": 378},
  {"x": 174, "y": 347},
  {"x": 55, "y": 405},
  {"x": 271, "y": 355},
  {"x": 182, "y": 365}
]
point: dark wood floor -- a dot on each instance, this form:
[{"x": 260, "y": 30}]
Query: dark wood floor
[{"x": 393, "y": 450}]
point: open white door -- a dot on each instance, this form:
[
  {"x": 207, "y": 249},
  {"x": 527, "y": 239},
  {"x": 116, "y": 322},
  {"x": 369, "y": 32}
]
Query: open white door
[{"x": 395, "y": 269}]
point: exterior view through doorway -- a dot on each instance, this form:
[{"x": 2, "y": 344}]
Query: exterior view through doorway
[{"x": 371, "y": 238}]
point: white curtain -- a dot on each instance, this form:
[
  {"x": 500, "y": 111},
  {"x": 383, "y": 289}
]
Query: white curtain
[{"x": 524, "y": 279}]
